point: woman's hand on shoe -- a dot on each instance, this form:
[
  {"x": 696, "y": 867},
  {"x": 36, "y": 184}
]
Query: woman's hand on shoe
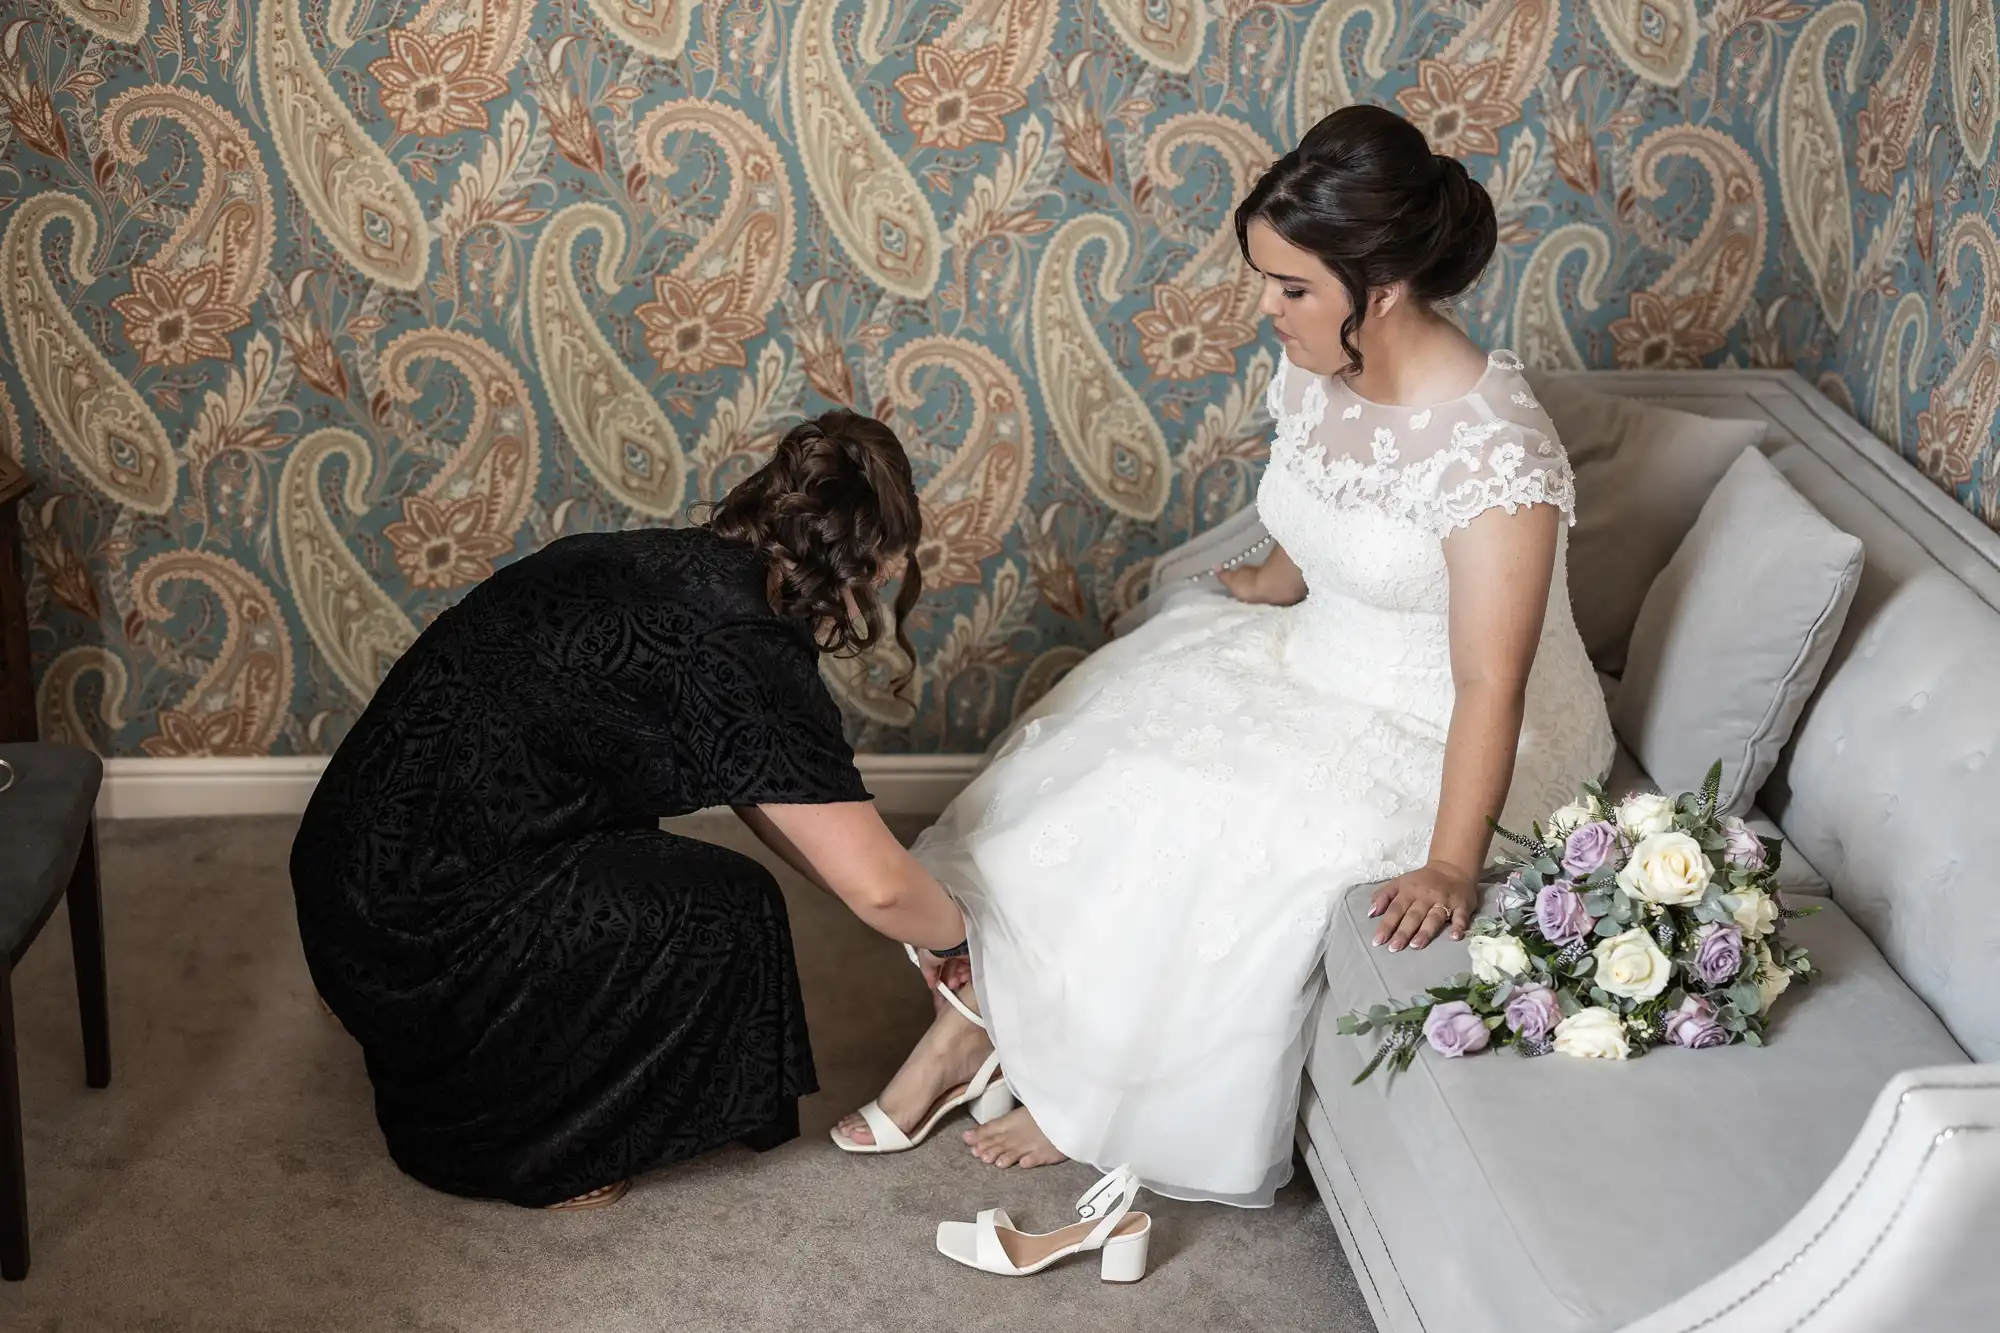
[
  {"x": 1417, "y": 907},
  {"x": 952, "y": 973}
]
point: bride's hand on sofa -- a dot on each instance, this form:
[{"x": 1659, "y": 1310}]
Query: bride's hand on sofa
[
  {"x": 1415, "y": 908},
  {"x": 1276, "y": 582}
]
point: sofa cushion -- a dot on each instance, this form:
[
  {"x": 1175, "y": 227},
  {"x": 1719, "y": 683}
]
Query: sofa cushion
[
  {"x": 1493, "y": 1174},
  {"x": 1642, "y": 473},
  {"x": 1734, "y": 634}
]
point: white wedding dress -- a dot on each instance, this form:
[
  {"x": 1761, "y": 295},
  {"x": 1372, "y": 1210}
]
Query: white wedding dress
[{"x": 1149, "y": 863}]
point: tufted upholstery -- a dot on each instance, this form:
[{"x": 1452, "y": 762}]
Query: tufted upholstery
[{"x": 1894, "y": 796}]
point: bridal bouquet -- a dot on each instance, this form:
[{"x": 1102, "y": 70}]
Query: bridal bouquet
[{"x": 1619, "y": 927}]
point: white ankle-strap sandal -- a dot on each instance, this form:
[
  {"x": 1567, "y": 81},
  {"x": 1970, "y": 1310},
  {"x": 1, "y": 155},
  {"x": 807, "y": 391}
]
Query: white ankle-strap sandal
[
  {"x": 992, "y": 1244},
  {"x": 987, "y": 1094}
]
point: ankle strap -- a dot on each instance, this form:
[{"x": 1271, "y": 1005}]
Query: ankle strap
[
  {"x": 970, "y": 1014},
  {"x": 1110, "y": 1199}
]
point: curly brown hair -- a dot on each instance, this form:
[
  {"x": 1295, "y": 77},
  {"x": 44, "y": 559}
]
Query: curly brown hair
[{"x": 830, "y": 513}]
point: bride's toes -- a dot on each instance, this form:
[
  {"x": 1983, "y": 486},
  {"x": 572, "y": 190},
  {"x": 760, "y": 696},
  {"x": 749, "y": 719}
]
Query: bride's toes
[{"x": 1014, "y": 1140}]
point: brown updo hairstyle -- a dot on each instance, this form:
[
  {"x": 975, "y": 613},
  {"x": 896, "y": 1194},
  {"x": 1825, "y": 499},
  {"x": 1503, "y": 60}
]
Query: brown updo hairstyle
[
  {"x": 1364, "y": 193},
  {"x": 832, "y": 508}
]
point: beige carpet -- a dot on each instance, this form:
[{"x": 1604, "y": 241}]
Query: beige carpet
[{"x": 232, "y": 1178}]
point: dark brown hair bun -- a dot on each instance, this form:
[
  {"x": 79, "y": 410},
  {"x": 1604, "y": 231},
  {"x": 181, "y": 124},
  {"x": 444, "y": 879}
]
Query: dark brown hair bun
[{"x": 1365, "y": 194}]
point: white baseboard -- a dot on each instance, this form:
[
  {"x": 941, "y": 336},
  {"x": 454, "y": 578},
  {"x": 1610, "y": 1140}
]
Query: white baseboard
[
  {"x": 903, "y": 784},
  {"x": 184, "y": 788},
  {"x": 917, "y": 784}
]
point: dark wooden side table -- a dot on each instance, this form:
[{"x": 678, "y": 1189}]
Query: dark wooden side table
[{"x": 17, "y": 686}]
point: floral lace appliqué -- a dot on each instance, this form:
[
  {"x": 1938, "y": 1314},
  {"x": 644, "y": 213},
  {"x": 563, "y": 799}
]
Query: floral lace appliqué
[{"x": 1486, "y": 464}]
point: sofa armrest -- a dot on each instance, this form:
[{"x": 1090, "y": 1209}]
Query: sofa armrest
[{"x": 1901, "y": 1235}]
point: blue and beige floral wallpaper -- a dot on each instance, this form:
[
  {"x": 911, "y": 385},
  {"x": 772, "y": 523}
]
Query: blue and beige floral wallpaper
[{"x": 315, "y": 311}]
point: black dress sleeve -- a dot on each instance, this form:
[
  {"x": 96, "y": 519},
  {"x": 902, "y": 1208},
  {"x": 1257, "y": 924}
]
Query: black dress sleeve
[{"x": 762, "y": 724}]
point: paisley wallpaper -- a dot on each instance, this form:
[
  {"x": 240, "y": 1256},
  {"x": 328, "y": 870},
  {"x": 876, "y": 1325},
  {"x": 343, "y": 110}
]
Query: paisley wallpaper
[{"x": 315, "y": 311}]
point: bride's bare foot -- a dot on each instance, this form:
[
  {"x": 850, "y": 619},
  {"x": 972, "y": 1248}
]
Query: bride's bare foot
[
  {"x": 1013, "y": 1140},
  {"x": 943, "y": 1062}
]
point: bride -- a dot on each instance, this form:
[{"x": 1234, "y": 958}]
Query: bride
[{"x": 1148, "y": 865}]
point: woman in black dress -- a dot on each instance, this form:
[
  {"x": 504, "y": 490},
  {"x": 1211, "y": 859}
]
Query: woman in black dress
[{"x": 552, "y": 994}]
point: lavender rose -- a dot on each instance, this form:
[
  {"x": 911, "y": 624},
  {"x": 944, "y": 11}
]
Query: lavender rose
[
  {"x": 1693, "y": 1025},
  {"x": 1741, "y": 847},
  {"x": 1533, "y": 1013},
  {"x": 1589, "y": 847},
  {"x": 1560, "y": 913},
  {"x": 1453, "y": 1029},
  {"x": 1719, "y": 956}
]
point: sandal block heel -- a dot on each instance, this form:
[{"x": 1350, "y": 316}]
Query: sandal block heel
[
  {"x": 995, "y": 1102},
  {"x": 1124, "y": 1258}
]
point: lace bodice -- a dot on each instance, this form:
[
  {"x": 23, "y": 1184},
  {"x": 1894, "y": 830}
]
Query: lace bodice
[{"x": 1362, "y": 495}]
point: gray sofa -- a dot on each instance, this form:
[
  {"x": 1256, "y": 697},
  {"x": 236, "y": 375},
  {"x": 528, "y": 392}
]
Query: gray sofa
[{"x": 1847, "y": 1175}]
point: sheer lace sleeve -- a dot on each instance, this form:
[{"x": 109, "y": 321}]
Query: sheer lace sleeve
[
  {"x": 1501, "y": 452},
  {"x": 1438, "y": 467}
]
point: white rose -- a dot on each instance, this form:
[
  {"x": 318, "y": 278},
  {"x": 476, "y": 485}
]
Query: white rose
[
  {"x": 1496, "y": 957},
  {"x": 1572, "y": 816},
  {"x": 1593, "y": 1034},
  {"x": 1666, "y": 868},
  {"x": 1755, "y": 913},
  {"x": 1771, "y": 979},
  {"x": 1631, "y": 966},
  {"x": 1643, "y": 814}
]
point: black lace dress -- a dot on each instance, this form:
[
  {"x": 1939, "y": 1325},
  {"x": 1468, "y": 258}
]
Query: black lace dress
[{"x": 552, "y": 994}]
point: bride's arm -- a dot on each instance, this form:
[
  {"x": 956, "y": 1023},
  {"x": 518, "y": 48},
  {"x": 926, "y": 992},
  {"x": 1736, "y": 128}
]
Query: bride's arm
[
  {"x": 1500, "y": 566},
  {"x": 1276, "y": 582}
]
